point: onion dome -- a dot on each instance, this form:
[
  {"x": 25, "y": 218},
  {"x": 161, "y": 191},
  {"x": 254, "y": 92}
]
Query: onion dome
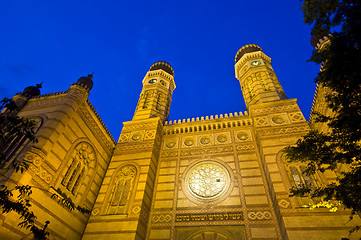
[
  {"x": 86, "y": 81},
  {"x": 162, "y": 65},
  {"x": 247, "y": 49},
  {"x": 31, "y": 91}
]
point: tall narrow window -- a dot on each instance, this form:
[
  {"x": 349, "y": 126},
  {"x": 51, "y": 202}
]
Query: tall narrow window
[
  {"x": 296, "y": 177},
  {"x": 300, "y": 178},
  {"x": 306, "y": 178},
  {"x": 78, "y": 168},
  {"x": 121, "y": 189}
]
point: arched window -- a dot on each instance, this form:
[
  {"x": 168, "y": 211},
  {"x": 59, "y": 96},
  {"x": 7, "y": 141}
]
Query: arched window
[
  {"x": 82, "y": 156},
  {"x": 121, "y": 190}
]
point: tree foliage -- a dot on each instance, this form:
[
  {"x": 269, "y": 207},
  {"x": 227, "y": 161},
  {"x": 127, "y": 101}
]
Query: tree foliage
[
  {"x": 17, "y": 199},
  {"x": 341, "y": 74}
]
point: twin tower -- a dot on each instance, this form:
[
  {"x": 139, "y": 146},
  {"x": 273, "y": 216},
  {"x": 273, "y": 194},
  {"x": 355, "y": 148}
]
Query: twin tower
[
  {"x": 253, "y": 70},
  {"x": 162, "y": 177}
]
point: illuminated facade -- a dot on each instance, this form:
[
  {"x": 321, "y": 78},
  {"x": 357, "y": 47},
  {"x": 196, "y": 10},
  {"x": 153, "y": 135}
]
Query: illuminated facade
[{"x": 214, "y": 177}]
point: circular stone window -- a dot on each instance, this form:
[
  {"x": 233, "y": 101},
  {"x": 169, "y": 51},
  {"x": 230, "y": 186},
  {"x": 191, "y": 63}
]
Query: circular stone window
[
  {"x": 222, "y": 138},
  {"x": 189, "y": 141},
  {"x": 170, "y": 144},
  {"x": 278, "y": 119},
  {"x": 207, "y": 181},
  {"x": 136, "y": 136},
  {"x": 242, "y": 136},
  {"x": 205, "y": 140}
]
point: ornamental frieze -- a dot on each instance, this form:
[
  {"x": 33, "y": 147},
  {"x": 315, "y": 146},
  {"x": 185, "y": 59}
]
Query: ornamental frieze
[
  {"x": 95, "y": 127},
  {"x": 40, "y": 103},
  {"x": 161, "y": 218},
  {"x": 258, "y": 215},
  {"x": 206, "y": 151},
  {"x": 275, "y": 109},
  {"x": 245, "y": 147},
  {"x": 169, "y": 154},
  {"x": 208, "y": 217},
  {"x": 128, "y": 127},
  {"x": 283, "y": 131},
  {"x": 133, "y": 147},
  {"x": 296, "y": 117}
]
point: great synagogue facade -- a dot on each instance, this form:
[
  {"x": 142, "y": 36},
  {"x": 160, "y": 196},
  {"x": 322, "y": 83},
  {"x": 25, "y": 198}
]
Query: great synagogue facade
[{"x": 210, "y": 178}]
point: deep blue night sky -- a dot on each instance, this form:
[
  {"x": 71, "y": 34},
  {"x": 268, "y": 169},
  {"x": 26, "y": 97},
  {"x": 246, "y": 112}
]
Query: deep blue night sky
[{"x": 59, "y": 41}]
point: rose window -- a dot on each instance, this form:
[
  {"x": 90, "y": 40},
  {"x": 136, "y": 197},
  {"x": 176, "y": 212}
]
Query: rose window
[{"x": 207, "y": 180}]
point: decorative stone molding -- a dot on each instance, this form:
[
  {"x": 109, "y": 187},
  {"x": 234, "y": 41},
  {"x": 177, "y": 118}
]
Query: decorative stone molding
[
  {"x": 259, "y": 215},
  {"x": 134, "y": 147},
  {"x": 161, "y": 218},
  {"x": 36, "y": 103},
  {"x": 206, "y": 151},
  {"x": 245, "y": 147},
  {"x": 284, "y": 203},
  {"x": 283, "y": 130},
  {"x": 261, "y": 121},
  {"x": 208, "y": 124},
  {"x": 296, "y": 117},
  {"x": 107, "y": 140},
  {"x": 169, "y": 154},
  {"x": 142, "y": 126},
  {"x": 275, "y": 109}
]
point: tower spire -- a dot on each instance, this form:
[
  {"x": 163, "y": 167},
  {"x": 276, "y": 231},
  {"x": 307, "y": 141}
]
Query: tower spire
[
  {"x": 156, "y": 95},
  {"x": 258, "y": 81}
]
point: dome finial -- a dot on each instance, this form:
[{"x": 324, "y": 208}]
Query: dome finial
[{"x": 39, "y": 85}]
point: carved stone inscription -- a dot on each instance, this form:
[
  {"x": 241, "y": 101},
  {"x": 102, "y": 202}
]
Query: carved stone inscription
[{"x": 222, "y": 216}]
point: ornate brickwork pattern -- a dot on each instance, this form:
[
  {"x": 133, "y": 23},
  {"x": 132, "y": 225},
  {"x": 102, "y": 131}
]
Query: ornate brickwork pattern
[
  {"x": 284, "y": 203},
  {"x": 39, "y": 166},
  {"x": 124, "y": 137},
  {"x": 282, "y": 131},
  {"x": 133, "y": 147},
  {"x": 296, "y": 117},
  {"x": 132, "y": 127},
  {"x": 161, "y": 218},
  {"x": 42, "y": 103},
  {"x": 206, "y": 151},
  {"x": 261, "y": 121},
  {"x": 169, "y": 154},
  {"x": 245, "y": 147},
  {"x": 283, "y": 108},
  {"x": 149, "y": 134},
  {"x": 259, "y": 215},
  {"x": 95, "y": 127}
]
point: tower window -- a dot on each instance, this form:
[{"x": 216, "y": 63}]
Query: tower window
[{"x": 152, "y": 81}]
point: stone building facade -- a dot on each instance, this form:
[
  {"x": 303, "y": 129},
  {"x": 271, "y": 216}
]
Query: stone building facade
[{"x": 214, "y": 177}]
